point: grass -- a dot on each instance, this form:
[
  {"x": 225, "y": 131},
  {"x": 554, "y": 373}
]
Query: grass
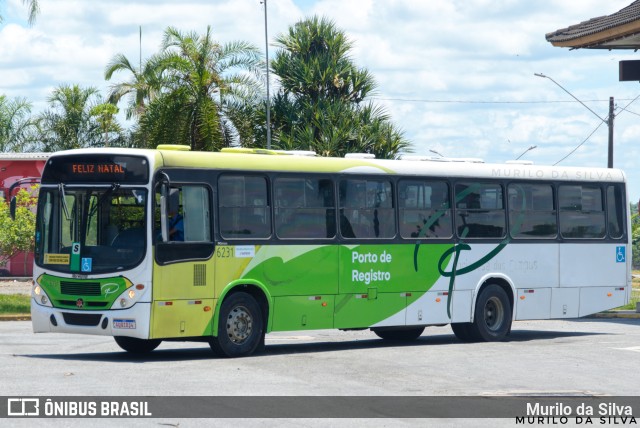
[
  {"x": 635, "y": 293},
  {"x": 14, "y": 304}
]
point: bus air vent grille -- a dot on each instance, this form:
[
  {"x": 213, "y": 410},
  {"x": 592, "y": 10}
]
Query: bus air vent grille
[
  {"x": 80, "y": 288},
  {"x": 200, "y": 275},
  {"x": 81, "y": 319}
]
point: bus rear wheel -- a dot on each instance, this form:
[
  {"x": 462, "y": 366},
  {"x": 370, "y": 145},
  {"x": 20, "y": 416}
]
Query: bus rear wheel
[
  {"x": 137, "y": 346},
  {"x": 492, "y": 320},
  {"x": 240, "y": 327},
  {"x": 464, "y": 331},
  {"x": 399, "y": 334}
]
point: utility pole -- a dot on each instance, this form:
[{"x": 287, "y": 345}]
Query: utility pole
[{"x": 610, "y": 124}]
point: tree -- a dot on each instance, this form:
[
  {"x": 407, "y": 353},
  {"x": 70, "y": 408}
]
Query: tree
[
  {"x": 68, "y": 123},
  {"x": 104, "y": 114},
  {"x": 321, "y": 103},
  {"x": 143, "y": 87},
  {"x": 34, "y": 9},
  {"x": 16, "y": 125},
  {"x": 203, "y": 85},
  {"x": 17, "y": 235}
]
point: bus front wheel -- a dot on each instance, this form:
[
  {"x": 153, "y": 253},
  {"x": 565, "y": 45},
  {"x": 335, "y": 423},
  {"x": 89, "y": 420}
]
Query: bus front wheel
[
  {"x": 137, "y": 346},
  {"x": 240, "y": 326},
  {"x": 492, "y": 320}
]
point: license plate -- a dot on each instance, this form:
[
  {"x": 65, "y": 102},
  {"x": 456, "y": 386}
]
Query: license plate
[{"x": 128, "y": 324}]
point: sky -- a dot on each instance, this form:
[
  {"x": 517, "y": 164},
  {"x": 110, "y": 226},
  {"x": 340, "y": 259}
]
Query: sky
[{"x": 457, "y": 76}]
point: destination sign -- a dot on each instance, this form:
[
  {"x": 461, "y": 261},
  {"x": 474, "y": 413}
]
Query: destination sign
[
  {"x": 91, "y": 168},
  {"x": 96, "y": 168}
]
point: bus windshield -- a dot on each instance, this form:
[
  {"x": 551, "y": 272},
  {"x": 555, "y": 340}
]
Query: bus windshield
[{"x": 90, "y": 229}]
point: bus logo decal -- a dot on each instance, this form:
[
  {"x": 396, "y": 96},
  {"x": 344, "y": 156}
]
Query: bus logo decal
[{"x": 109, "y": 288}]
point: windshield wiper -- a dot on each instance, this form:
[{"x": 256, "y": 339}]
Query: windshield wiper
[
  {"x": 65, "y": 208},
  {"x": 114, "y": 186}
]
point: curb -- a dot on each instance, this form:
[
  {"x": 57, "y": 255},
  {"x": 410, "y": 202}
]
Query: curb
[
  {"x": 15, "y": 317},
  {"x": 617, "y": 314}
]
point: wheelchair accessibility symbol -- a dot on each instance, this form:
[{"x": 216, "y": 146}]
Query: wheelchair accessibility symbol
[
  {"x": 86, "y": 264},
  {"x": 621, "y": 255}
]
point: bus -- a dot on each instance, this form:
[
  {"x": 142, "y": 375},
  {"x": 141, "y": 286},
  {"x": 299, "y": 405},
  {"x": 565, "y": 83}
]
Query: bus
[
  {"x": 19, "y": 171},
  {"x": 276, "y": 241}
]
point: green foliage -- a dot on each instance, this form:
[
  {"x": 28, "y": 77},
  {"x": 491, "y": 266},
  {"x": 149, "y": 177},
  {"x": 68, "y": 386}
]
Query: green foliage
[
  {"x": 104, "y": 114},
  {"x": 320, "y": 105},
  {"x": 34, "y": 9},
  {"x": 16, "y": 126},
  {"x": 68, "y": 124},
  {"x": 17, "y": 235},
  {"x": 208, "y": 95},
  {"x": 192, "y": 92},
  {"x": 15, "y": 304}
]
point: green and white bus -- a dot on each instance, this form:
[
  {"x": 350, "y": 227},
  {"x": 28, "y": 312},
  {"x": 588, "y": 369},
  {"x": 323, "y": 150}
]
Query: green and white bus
[{"x": 276, "y": 241}]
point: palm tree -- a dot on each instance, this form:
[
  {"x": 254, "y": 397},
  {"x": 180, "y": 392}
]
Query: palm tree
[
  {"x": 320, "y": 105},
  {"x": 204, "y": 82},
  {"x": 313, "y": 62},
  {"x": 143, "y": 87},
  {"x": 68, "y": 123},
  {"x": 16, "y": 125},
  {"x": 34, "y": 9}
]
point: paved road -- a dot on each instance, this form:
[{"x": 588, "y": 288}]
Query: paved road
[{"x": 581, "y": 357}]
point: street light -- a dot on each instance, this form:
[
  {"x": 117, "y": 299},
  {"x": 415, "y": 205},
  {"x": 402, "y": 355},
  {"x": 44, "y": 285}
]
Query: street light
[
  {"x": 608, "y": 121},
  {"x": 523, "y": 153},
  {"x": 439, "y": 154},
  {"x": 266, "y": 45}
]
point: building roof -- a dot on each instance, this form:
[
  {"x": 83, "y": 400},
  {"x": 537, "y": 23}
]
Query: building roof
[
  {"x": 620, "y": 30},
  {"x": 24, "y": 156}
]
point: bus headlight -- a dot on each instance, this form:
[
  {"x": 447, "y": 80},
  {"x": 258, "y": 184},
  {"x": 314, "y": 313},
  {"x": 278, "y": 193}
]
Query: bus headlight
[
  {"x": 40, "y": 297},
  {"x": 129, "y": 297}
]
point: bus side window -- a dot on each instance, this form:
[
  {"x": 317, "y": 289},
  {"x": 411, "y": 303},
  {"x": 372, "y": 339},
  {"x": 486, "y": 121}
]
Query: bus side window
[
  {"x": 615, "y": 211},
  {"x": 480, "y": 210},
  {"x": 244, "y": 207},
  {"x": 366, "y": 209},
  {"x": 581, "y": 211},
  {"x": 196, "y": 214},
  {"x": 532, "y": 211},
  {"x": 304, "y": 208},
  {"x": 189, "y": 214},
  {"x": 424, "y": 209}
]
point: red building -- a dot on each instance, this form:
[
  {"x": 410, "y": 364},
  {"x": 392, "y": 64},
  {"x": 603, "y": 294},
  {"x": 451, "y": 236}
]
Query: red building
[{"x": 19, "y": 170}]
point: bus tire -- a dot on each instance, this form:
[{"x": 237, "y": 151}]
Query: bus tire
[
  {"x": 137, "y": 346},
  {"x": 240, "y": 327},
  {"x": 464, "y": 331},
  {"x": 492, "y": 320},
  {"x": 399, "y": 334}
]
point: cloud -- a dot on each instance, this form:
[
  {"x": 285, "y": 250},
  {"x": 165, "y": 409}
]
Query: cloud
[{"x": 479, "y": 55}]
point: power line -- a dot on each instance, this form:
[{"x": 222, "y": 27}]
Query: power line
[
  {"x": 632, "y": 112},
  {"x": 580, "y": 145},
  {"x": 630, "y": 102},
  {"x": 418, "y": 100}
]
